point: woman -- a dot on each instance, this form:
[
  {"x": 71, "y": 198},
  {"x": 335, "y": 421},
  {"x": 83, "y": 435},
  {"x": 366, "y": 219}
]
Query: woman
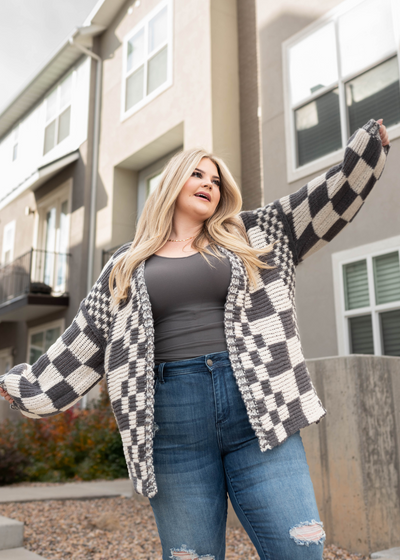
[{"x": 213, "y": 400}]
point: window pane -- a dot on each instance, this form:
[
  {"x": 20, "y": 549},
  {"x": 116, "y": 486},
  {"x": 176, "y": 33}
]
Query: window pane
[
  {"x": 63, "y": 125},
  {"x": 51, "y": 337},
  {"x": 51, "y": 106},
  {"x": 49, "y": 137},
  {"x": 390, "y": 325},
  {"x": 66, "y": 92},
  {"x": 313, "y": 63},
  {"x": 387, "y": 278},
  {"x": 153, "y": 183},
  {"x": 36, "y": 347},
  {"x": 355, "y": 280},
  {"x": 375, "y": 94},
  {"x": 365, "y": 35},
  {"x": 318, "y": 128},
  {"x": 134, "y": 88},
  {"x": 158, "y": 30},
  {"x": 49, "y": 246},
  {"x": 157, "y": 70},
  {"x": 63, "y": 245},
  {"x": 361, "y": 339},
  {"x": 135, "y": 50}
]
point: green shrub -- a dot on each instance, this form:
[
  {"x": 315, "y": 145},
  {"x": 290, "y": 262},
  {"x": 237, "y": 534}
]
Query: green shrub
[{"x": 77, "y": 444}]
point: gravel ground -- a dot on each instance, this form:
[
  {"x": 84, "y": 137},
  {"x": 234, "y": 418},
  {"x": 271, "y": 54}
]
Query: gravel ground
[{"x": 112, "y": 529}]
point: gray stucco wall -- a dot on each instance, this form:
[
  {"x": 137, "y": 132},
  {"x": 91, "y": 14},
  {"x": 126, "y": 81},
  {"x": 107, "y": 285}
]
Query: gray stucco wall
[{"x": 377, "y": 220}]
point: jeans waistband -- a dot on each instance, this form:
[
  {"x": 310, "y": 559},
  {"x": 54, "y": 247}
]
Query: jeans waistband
[{"x": 180, "y": 366}]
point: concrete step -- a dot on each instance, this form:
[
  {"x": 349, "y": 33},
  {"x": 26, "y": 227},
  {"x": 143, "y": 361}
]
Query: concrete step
[
  {"x": 11, "y": 533},
  {"x": 389, "y": 554},
  {"x": 19, "y": 554}
]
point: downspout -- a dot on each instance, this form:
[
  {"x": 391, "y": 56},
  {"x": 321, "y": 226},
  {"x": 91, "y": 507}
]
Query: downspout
[{"x": 95, "y": 159}]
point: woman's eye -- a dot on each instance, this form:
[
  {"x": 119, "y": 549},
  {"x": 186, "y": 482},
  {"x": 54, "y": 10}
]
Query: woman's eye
[{"x": 196, "y": 173}]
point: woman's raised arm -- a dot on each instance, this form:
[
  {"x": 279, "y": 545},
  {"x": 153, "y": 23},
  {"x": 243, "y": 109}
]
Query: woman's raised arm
[
  {"x": 73, "y": 364},
  {"x": 317, "y": 212}
]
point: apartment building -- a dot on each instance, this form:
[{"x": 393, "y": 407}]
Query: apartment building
[
  {"x": 275, "y": 89},
  {"x": 84, "y": 143},
  {"x": 326, "y": 68}
]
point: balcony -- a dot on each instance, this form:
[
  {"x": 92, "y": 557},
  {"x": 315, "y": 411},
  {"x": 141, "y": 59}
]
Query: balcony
[{"x": 34, "y": 285}]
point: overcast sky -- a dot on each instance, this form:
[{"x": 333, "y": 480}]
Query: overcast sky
[{"x": 30, "y": 30}]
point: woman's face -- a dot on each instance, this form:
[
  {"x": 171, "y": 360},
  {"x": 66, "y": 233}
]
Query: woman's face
[{"x": 200, "y": 194}]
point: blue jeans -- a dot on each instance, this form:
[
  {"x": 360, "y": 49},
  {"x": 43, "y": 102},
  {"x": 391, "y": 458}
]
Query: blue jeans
[{"x": 204, "y": 448}]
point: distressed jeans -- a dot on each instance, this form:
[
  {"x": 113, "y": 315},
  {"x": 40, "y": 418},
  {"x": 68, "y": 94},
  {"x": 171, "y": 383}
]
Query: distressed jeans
[{"x": 204, "y": 449}]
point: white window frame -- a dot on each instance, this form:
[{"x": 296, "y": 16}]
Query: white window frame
[
  {"x": 60, "y": 110},
  {"x": 10, "y": 226},
  {"x": 64, "y": 192},
  {"x": 363, "y": 252},
  {"x": 144, "y": 24},
  {"x": 293, "y": 172},
  {"x": 42, "y": 328}
]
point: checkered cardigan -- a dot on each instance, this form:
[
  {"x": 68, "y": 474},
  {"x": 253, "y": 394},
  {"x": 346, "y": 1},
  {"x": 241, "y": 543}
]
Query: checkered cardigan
[{"x": 260, "y": 323}]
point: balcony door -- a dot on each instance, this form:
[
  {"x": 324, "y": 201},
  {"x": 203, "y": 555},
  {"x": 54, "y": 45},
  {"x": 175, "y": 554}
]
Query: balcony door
[
  {"x": 56, "y": 245},
  {"x": 53, "y": 242}
]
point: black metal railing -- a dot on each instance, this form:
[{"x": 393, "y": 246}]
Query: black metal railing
[{"x": 35, "y": 272}]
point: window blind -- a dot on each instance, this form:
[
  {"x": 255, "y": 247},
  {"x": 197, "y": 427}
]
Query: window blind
[
  {"x": 318, "y": 127},
  {"x": 374, "y": 94},
  {"x": 361, "y": 338},
  {"x": 390, "y": 328},
  {"x": 355, "y": 279},
  {"x": 387, "y": 278}
]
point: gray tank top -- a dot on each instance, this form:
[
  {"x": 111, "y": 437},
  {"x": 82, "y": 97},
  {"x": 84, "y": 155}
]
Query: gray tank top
[{"x": 187, "y": 297}]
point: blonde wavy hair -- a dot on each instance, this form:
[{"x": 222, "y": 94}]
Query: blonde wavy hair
[{"x": 224, "y": 227}]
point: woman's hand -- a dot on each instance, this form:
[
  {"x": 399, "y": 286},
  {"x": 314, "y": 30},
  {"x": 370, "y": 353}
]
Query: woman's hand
[
  {"x": 383, "y": 133},
  {"x": 4, "y": 394}
]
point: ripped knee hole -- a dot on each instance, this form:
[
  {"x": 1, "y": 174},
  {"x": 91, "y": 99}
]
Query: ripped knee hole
[
  {"x": 308, "y": 532},
  {"x": 185, "y": 554}
]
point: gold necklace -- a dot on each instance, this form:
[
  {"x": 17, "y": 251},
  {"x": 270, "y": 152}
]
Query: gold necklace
[{"x": 174, "y": 240}]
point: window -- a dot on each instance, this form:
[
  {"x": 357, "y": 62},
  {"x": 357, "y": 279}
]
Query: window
[
  {"x": 147, "y": 59},
  {"x": 152, "y": 184},
  {"x": 51, "y": 259},
  {"x": 15, "y": 134},
  {"x": 149, "y": 178},
  {"x": 339, "y": 74},
  {"x": 8, "y": 242},
  {"x": 370, "y": 302},
  {"x": 6, "y": 360},
  {"x": 58, "y": 114},
  {"x": 41, "y": 338}
]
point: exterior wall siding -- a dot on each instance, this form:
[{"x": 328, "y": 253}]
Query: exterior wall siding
[{"x": 377, "y": 220}]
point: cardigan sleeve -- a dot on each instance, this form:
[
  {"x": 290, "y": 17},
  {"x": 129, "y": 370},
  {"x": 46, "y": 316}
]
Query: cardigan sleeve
[
  {"x": 317, "y": 212},
  {"x": 73, "y": 364}
]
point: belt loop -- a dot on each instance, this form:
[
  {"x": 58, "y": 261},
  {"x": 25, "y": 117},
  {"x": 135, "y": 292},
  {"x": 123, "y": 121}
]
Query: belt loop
[{"x": 160, "y": 372}]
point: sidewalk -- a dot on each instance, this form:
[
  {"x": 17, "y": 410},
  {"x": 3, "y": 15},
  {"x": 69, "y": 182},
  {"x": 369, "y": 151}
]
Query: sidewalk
[{"x": 69, "y": 491}]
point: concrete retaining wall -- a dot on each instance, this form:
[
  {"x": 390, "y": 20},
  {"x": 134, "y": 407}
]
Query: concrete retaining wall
[{"x": 353, "y": 453}]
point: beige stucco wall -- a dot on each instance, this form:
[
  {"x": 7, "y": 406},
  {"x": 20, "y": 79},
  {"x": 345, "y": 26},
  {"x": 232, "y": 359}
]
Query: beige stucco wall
[
  {"x": 199, "y": 109},
  {"x": 24, "y": 225},
  {"x": 377, "y": 220}
]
